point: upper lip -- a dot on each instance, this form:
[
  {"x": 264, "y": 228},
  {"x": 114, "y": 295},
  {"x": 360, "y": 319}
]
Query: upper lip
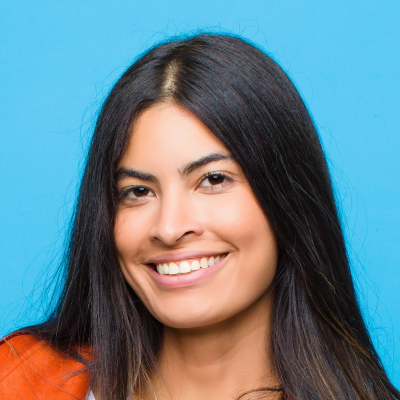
[{"x": 182, "y": 255}]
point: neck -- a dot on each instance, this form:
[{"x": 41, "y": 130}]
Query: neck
[{"x": 220, "y": 361}]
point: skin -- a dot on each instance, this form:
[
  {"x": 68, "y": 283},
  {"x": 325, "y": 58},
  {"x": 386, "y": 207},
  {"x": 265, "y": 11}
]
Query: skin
[{"x": 215, "y": 330}]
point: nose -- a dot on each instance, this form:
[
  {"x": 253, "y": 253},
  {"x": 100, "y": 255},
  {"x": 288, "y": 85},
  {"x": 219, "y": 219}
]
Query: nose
[{"x": 177, "y": 219}]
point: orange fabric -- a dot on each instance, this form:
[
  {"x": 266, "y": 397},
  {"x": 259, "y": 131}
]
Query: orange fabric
[{"x": 32, "y": 370}]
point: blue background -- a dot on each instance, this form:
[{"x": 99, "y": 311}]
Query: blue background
[{"x": 58, "y": 59}]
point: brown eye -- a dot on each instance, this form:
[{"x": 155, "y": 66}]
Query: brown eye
[
  {"x": 135, "y": 194},
  {"x": 215, "y": 179},
  {"x": 140, "y": 191}
]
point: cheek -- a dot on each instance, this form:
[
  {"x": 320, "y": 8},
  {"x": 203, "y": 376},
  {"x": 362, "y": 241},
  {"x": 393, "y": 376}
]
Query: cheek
[
  {"x": 123, "y": 236},
  {"x": 240, "y": 219},
  {"x": 130, "y": 231},
  {"x": 126, "y": 246},
  {"x": 242, "y": 223},
  {"x": 129, "y": 236}
]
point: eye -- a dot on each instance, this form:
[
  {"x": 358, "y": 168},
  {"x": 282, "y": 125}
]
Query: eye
[
  {"x": 214, "y": 180},
  {"x": 139, "y": 191},
  {"x": 135, "y": 194}
]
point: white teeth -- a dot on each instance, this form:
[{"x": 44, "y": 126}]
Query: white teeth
[
  {"x": 187, "y": 266},
  {"x": 173, "y": 269},
  {"x": 184, "y": 267},
  {"x": 195, "y": 265}
]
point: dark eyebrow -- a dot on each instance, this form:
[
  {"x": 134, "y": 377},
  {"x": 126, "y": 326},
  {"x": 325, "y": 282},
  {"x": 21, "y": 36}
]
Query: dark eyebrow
[
  {"x": 128, "y": 172},
  {"x": 187, "y": 169},
  {"x": 124, "y": 172}
]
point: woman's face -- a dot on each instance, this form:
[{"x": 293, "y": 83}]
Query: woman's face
[{"x": 185, "y": 205}]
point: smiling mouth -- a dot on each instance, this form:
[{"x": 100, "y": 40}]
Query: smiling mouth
[{"x": 187, "y": 266}]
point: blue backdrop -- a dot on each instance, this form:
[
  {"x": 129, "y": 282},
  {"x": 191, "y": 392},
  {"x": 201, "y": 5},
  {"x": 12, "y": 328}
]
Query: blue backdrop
[{"x": 58, "y": 59}]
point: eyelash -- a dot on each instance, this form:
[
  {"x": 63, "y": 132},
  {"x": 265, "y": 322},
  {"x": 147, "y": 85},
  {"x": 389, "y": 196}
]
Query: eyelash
[
  {"x": 125, "y": 192},
  {"x": 218, "y": 174}
]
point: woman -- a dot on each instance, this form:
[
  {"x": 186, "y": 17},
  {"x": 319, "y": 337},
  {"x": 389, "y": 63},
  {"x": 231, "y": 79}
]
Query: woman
[{"x": 206, "y": 257}]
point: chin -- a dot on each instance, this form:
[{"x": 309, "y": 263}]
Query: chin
[{"x": 182, "y": 319}]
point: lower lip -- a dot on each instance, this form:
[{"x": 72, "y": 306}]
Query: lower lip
[{"x": 184, "y": 280}]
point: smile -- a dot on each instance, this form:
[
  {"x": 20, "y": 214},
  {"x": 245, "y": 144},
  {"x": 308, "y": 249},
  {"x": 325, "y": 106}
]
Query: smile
[{"x": 186, "y": 266}]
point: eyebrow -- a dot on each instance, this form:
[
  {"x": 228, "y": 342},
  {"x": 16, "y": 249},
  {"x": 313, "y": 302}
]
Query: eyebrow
[{"x": 124, "y": 172}]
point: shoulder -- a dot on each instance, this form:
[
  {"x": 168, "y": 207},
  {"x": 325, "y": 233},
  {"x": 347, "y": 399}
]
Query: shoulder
[{"x": 31, "y": 369}]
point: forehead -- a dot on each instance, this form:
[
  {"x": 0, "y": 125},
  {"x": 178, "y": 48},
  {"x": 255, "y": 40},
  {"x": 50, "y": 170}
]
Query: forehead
[{"x": 166, "y": 135}]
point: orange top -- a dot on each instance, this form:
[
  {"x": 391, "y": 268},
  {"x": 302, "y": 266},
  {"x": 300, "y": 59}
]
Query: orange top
[{"x": 30, "y": 369}]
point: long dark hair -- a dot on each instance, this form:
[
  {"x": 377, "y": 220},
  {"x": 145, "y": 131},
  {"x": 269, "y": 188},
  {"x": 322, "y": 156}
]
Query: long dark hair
[{"x": 320, "y": 345}]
